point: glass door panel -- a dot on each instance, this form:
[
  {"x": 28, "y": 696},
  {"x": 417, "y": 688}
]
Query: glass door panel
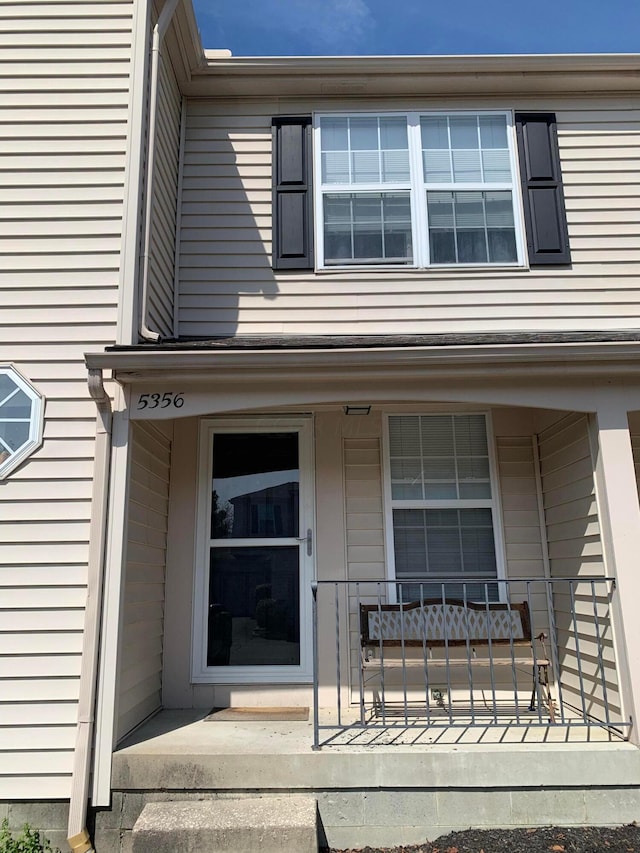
[{"x": 254, "y": 604}]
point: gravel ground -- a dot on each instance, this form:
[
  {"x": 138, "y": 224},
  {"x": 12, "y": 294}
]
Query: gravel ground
[{"x": 549, "y": 839}]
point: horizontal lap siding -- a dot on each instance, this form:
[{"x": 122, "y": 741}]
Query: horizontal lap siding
[
  {"x": 521, "y": 525},
  {"x": 140, "y": 681},
  {"x": 163, "y": 230},
  {"x": 63, "y": 126},
  {"x": 365, "y": 532},
  {"x": 227, "y": 285},
  {"x": 575, "y": 550}
]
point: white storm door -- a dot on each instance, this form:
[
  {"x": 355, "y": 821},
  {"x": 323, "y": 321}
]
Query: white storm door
[{"x": 254, "y": 593}]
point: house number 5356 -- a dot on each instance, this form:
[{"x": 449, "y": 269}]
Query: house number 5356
[{"x": 161, "y": 401}]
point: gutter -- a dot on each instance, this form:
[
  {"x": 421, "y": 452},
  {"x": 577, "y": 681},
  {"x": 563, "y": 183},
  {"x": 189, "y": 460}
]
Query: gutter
[
  {"x": 77, "y": 834},
  {"x": 159, "y": 31},
  {"x": 131, "y": 364}
]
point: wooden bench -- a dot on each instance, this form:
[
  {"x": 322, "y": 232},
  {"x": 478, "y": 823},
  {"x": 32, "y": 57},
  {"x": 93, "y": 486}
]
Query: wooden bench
[{"x": 402, "y": 637}]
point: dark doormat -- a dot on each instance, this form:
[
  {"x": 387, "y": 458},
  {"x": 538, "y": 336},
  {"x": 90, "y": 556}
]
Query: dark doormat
[{"x": 257, "y": 715}]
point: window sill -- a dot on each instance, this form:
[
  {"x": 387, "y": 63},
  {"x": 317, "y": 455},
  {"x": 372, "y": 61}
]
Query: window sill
[{"x": 428, "y": 271}]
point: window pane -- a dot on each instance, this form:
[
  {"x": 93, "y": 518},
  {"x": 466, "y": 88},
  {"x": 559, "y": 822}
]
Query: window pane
[
  {"x": 409, "y": 549},
  {"x": 404, "y": 436},
  {"x": 443, "y": 468},
  {"x": 437, "y": 435},
  {"x": 365, "y": 167},
  {"x": 464, "y": 132},
  {"x": 435, "y": 132},
  {"x": 444, "y": 542},
  {"x": 493, "y": 132},
  {"x": 442, "y": 247},
  {"x": 440, "y": 210},
  {"x": 254, "y": 607},
  {"x": 471, "y": 227},
  {"x": 502, "y": 246},
  {"x": 472, "y": 248},
  {"x": 469, "y": 210},
  {"x": 255, "y": 485},
  {"x": 466, "y": 167},
  {"x": 7, "y": 386},
  {"x": 393, "y": 133},
  {"x": 334, "y": 134},
  {"x": 499, "y": 210},
  {"x": 395, "y": 167},
  {"x": 406, "y": 479},
  {"x": 442, "y": 456},
  {"x": 471, "y": 434},
  {"x": 364, "y": 134},
  {"x": 16, "y": 404},
  {"x": 12, "y": 437},
  {"x": 496, "y": 166},
  {"x": 367, "y": 226},
  {"x": 437, "y": 167},
  {"x": 367, "y": 242},
  {"x": 335, "y": 167}
]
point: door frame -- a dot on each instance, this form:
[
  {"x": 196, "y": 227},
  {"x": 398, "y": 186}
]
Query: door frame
[{"x": 200, "y": 672}]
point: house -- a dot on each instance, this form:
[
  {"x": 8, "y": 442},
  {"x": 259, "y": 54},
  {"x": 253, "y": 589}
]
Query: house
[{"x": 366, "y": 322}]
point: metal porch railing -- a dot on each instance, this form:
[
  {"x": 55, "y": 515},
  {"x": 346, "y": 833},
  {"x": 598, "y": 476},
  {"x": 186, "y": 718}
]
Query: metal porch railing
[{"x": 424, "y": 655}]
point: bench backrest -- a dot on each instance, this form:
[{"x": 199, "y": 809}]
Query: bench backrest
[{"x": 438, "y": 624}]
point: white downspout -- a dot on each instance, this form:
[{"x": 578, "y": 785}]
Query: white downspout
[
  {"x": 77, "y": 835},
  {"x": 159, "y": 32}
]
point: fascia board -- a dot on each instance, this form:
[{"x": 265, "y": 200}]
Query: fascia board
[{"x": 408, "y": 75}]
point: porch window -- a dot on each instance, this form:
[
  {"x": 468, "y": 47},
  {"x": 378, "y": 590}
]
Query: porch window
[{"x": 442, "y": 506}]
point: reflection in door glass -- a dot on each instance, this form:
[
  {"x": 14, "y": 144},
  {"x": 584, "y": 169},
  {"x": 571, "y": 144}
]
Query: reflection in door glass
[
  {"x": 254, "y": 607},
  {"x": 255, "y": 486}
]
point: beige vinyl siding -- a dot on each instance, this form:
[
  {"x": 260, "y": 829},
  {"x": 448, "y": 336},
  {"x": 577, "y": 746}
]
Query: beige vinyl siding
[
  {"x": 364, "y": 507},
  {"x": 140, "y": 677},
  {"x": 64, "y": 80},
  {"x": 575, "y": 550},
  {"x": 165, "y": 204},
  {"x": 521, "y": 525},
  {"x": 227, "y": 285}
]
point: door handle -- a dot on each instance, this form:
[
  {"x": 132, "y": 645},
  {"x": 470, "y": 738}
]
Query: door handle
[{"x": 309, "y": 540}]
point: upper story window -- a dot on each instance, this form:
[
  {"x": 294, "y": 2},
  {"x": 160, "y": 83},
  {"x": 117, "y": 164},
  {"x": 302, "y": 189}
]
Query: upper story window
[
  {"x": 21, "y": 409},
  {"x": 416, "y": 190}
]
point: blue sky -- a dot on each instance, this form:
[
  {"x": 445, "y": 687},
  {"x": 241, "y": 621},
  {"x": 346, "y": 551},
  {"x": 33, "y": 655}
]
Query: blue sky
[{"x": 338, "y": 27}]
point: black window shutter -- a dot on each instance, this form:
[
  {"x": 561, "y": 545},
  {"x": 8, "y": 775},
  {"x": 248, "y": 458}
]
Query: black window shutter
[
  {"x": 292, "y": 193},
  {"x": 543, "y": 198}
]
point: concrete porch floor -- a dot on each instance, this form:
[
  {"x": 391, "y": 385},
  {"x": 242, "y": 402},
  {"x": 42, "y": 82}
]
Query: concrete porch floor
[
  {"x": 180, "y": 749},
  {"x": 386, "y": 793}
]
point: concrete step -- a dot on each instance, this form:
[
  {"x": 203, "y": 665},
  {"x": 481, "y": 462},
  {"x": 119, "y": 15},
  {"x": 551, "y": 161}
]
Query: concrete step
[{"x": 245, "y": 825}]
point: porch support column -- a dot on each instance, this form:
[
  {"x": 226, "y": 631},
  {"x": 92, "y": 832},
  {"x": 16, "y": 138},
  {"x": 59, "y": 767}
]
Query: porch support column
[{"x": 619, "y": 512}]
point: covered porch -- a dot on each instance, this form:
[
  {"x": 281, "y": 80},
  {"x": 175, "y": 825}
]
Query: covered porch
[{"x": 559, "y": 449}]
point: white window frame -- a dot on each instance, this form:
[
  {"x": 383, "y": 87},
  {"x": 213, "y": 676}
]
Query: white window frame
[
  {"x": 201, "y": 673},
  {"x": 36, "y": 421},
  {"x": 418, "y": 192},
  {"x": 493, "y": 503}
]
